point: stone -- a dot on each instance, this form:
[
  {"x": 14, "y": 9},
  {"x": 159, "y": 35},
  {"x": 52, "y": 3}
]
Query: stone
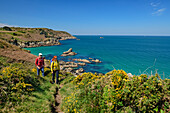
[
  {"x": 81, "y": 64},
  {"x": 82, "y": 60},
  {"x": 70, "y": 50},
  {"x": 69, "y": 69},
  {"x": 61, "y": 67},
  {"x": 97, "y": 61},
  {"x": 47, "y": 63},
  {"x": 130, "y": 75},
  {"x": 62, "y": 62},
  {"x": 69, "y": 53},
  {"x": 81, "y": 70}
]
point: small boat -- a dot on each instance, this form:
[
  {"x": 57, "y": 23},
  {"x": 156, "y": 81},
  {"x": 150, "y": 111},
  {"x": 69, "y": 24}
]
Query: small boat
[{"x": 101, "y": 37}]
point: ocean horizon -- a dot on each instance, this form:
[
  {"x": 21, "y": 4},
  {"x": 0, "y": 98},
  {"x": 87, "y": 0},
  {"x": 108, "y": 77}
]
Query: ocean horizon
[{"x": 134, "y": 54}]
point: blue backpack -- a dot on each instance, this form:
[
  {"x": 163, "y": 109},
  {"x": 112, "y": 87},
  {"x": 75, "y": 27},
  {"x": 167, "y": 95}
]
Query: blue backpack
[{"x": 51, "y": 61}]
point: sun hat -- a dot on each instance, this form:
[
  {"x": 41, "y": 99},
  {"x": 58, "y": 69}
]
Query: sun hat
[{"x": 40, "y": 53}]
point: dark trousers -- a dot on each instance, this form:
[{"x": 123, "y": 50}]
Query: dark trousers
[{"x": 57, "y": 76}]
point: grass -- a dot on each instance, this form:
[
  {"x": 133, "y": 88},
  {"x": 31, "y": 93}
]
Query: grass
[
  {"x": 67, "y": 86},
  {"x": 41, "y": 99},
  {"x": 22, "y": 31},
  {"x": 38, "y": 100},
  {"x": 19, "y": 100},
  {"x": 3, "y": 61}
]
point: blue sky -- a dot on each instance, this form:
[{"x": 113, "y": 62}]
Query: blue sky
[{"x": 107, "y": 17}]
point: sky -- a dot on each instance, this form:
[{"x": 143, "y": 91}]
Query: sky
[{"x": 90, "y": 17}]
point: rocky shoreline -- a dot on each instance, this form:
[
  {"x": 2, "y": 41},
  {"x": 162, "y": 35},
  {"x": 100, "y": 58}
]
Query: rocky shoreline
[
  {"x": 13, "y": 39},
  {"x": 46, "y": 42},
  {"x": 75, "y": 66},
  {"x": 33, "y": 37}
]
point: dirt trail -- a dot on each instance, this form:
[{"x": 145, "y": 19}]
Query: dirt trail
[{"x": 57, "y": 96}]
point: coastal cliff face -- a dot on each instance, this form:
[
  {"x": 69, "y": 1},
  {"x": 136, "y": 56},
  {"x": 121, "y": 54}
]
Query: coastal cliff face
[{"x": 33, "y": 37}]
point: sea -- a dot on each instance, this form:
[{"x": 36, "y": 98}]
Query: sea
[{"x": 133, "y": 54}]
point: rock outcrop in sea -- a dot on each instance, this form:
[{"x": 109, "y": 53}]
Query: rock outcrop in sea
[
  {"x": 82, "y": 60},
  {"x": 69, "y": 53},
  {"x": 88, "y": 61}
]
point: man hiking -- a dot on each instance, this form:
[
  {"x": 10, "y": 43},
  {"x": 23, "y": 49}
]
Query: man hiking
[{"x": 39, "y": 62}]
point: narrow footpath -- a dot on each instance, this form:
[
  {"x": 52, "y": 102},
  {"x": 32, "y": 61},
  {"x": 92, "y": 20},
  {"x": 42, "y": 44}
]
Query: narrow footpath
[{"x": 57, "y": 96}]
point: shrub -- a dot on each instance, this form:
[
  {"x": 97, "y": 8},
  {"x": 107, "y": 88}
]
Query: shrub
[
  {"x": 16, "y": 81},
  {"x": 116, "y": 92},
  {"x": 7, "y": 28}
]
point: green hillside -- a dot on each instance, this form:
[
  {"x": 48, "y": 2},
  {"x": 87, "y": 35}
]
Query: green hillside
[{"x": 33, "y": 37}]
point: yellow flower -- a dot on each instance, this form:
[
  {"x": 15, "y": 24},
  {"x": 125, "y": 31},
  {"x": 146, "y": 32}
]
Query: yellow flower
[
  {"x": 159, "y": 84},
  {"x": 113, "y": 106}
]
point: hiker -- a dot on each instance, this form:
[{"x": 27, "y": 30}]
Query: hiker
[
  {"x": 55, "y": 68},
  {"x": 39, "y": 62}
]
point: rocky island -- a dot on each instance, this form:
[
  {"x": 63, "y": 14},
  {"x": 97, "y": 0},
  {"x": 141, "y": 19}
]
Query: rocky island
[{"x": 69, "y": 53}]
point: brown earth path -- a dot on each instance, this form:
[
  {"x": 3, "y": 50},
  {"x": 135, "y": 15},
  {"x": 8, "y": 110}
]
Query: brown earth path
[{"x": 58, "y": 100}]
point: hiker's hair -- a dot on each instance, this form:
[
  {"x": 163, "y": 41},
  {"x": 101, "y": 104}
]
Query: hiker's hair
[{"x": 54, "y": 58}]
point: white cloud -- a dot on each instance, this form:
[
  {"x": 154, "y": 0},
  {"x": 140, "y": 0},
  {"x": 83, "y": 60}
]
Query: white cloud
[
  {"x": 159, "y": 11},
  {"x": 155, "y": 4},
  {"x": 157, "y": 8},
  {"x": 3, "y": 24}
]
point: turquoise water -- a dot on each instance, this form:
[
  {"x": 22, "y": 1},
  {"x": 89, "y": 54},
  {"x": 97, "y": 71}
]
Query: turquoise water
[{"x": 134, "y": 54}]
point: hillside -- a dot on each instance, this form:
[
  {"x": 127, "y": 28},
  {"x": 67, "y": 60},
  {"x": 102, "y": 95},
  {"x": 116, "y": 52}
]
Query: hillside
[
  {"x": 15, "y": 53},
  {"x": 33, "y": 37}
]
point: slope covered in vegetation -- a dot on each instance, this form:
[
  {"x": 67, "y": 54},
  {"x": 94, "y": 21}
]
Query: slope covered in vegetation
[
  {"x": 13, "y": 52},
  {"x": 116, "y": 92},
  {"x": 22, "y": 91},
  {"x": 33, "y": 37}
]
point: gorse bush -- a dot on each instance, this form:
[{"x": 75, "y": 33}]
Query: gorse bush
[
  {"x": 16, "y": 81},
  {"x": 116, "y": 92}
]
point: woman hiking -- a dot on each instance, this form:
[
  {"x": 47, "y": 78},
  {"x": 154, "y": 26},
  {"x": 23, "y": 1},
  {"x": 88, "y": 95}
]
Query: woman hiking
[
  {"x": 55, "y": 68},
  {"x": 39, "y": 62}
]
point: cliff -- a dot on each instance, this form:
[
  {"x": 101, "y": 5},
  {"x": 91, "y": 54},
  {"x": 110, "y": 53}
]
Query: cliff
[{"x": 33, "y": 37}]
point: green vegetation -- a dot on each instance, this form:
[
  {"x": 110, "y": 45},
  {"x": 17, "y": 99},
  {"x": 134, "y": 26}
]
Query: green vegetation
[
  {"x": 7, "y": 28},
  {"x": 30, "y": 34},
  {"x": 4, "y": 44},
  {"x": 22, "y": 31},
  {"x": 21, "y": 90},
  {"x": 116, "y": 92}
]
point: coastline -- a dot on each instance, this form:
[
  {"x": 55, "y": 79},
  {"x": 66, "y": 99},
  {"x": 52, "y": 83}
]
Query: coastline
[
  {"x": 112, "y": 51},
  {"x": 39, "y": 37}
]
